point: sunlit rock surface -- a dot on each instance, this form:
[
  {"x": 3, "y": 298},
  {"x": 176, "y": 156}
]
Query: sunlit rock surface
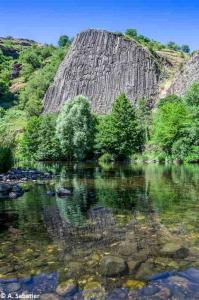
[
  {"x": 101, "y": 65},
  {"x": 186, "y": 76}
]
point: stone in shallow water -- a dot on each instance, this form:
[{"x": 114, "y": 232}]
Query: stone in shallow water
[
  {"x": 174, "y": 250},
  {"x": 93, "y": 290},
  {"x": 67, "y": 288},
  {"x": 5, "y": 187},
  {"x": 5, "y": 270},
  {"x": 75, "y": 267},
  {"x": 49, "y": 297},
  {"x": 133, "y": 284},
  {"x": 112, "y": 265},
  {"x": 127, "y": 248},
  {"x": 118, "y": 294},
  {"x": 150, "y": 290},
  {"x": 62, "y": 192},
  {"x": 13, "y": 195},
  {"x": 132, "y": 266},
  {"x": 13, "y": 287},
  {"x": 145, "y": 270}
]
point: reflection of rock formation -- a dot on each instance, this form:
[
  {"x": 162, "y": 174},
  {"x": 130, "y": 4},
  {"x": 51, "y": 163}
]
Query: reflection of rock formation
[{"x": 96, "y": 231}]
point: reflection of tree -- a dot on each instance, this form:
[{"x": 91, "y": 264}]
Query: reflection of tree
[
  {"x": 75, "y": 207},
  {"x": 122, "y": 188},
  {"x": 174, "y": 192}
]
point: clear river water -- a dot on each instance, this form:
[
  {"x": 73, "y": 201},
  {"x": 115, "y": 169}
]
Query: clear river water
[{"x": 145, "y": 216}]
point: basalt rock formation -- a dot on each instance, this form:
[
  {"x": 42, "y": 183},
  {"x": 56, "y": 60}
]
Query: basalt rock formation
[
  {"x": 186, "y": 76},
  {"x": 100, "y": 65}
]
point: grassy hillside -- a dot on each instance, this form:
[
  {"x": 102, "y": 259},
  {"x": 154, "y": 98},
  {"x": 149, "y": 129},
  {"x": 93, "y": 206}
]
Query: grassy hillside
[{"x": 26, "y": 70}]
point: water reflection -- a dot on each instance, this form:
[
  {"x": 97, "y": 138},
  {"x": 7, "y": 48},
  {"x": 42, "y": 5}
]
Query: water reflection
[{"x": 131, "y": 212}]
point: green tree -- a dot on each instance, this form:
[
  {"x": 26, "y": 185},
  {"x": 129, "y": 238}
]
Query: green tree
[
  {"x": 104, "y": 142},
  {"x": 6, "y": 159},
  {"x": 63, "y": 41},
  {"x": 143, "y": 112},
  {"x": 31, "y": 138},
  {"x": 185, "y": 48},
  {"x": 192, "y": 95},
  {"x": 168, "y": 124},
  {"x": 119, "y": 133},
  {"x": 173, "y": 46},
  {"x": 48, "y": 144},
  {"x": 192, "y": 100},
  {"x": 131, "y": 32},
  {"x": 169, "y": 99},
  {"x": 75, "y": 129}
]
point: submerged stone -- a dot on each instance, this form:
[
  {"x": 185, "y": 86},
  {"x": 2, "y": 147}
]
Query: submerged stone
[
  {"x": 62, "y": 192},
  {"x": 49, "y": 297},
  {"x": 112, "y": 265},
  {"x": 133, "y": 266},
  {"x": 174, "y": 250},
  {"x": 134, "y": 284},
  {"x": 144, "y": 270},
  {"x": 5, "y": 187},
  {"x": 67, "y": 288},
  {"x": 13, "y": 287},
  {"x": 127, "y": 248}
]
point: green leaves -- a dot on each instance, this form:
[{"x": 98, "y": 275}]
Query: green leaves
[
  {"x": 119, "y": 132},
  {"x": 75, "y": 129},
  {"x": 176, "y": 123},
  {"x": 168, "y": 123}
]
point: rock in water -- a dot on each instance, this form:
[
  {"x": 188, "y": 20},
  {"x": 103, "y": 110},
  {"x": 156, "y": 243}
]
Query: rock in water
[
  {"x": 100, "y": 65},
  {"x": 62, "y": 192},
  {"x": 174, "y": 250},
  {"x": 112, "y": 265}
]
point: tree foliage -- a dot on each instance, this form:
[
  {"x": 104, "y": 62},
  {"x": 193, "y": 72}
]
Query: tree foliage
[
  {"x": 39, "y": 141},
  {"x": 119, "y": 132},
  {"x": 176, "y": 125},
  {"x": 75, "y": 128},
  {"x": 63, "y": 41},
  {"x": 168, "y": 124}
]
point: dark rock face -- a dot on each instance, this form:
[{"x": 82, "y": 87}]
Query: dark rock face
[
  {"x": 101, "y": 65},
  {"x": 186, "y": 77},
  {"x": 16, "y": 68},
  {"x": 8, "y": 51}
]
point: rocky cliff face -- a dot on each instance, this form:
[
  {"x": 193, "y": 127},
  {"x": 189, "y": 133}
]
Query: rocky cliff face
[
  {"x": 186, "y": 76},
  {"x": 101, "y": 65}
]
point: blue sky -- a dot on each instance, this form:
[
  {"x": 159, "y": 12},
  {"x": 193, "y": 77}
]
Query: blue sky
[{"x": 45, "y": 21}]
